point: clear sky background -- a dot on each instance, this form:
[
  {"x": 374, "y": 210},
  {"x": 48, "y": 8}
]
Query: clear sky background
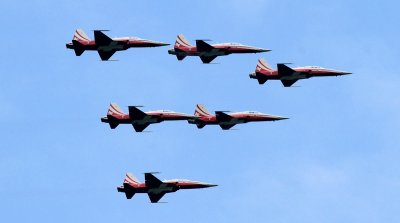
[{"x": 335, "y": 160}]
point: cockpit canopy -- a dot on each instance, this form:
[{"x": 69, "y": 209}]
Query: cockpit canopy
[
  {"x": 182, "y": 180},
  {"x": 128, "y": 38},
  {"x": 165, "y": 111},
  {"x": 253, "y": 112},
  {"x": 314, "y": 67},
  {"x": 230, "y": 44}
]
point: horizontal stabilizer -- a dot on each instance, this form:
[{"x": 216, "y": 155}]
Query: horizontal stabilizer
[
  {"x": 200, "y": 125},
  {"x": 101, "y": 39},
  {"x": 78, "y": 47},
  {"x": 288, "y": 83},
  {"x": 222, "y": 116},
  {"x": 284, "y": 70},
  {"x": 129, "y": 191},
  {"x": 207, "y": 59},
  {"x": 180, "y": 57},
  {"x": 261, "y": 78},
  {"x": 112, "y": 121},
  {"x": 151, "y": 181},
  {"x": 203, "y": 46}
]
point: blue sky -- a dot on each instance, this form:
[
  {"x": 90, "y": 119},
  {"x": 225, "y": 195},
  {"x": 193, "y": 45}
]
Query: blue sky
[{"x": 334, "y": 160}]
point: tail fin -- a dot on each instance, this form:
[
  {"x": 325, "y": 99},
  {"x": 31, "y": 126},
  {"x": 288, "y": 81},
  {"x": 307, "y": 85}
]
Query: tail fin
[
  {"x": 130, "y": 183},
  {"x": 115, "y": 111},
  {"x": 79, "y": 40},
  {"x": 114, "y": 114},
  {"x": 81, "y": 36},
  {"x": 201, "y": 111},
  {"x": 131, "y": 180},
  {"x": 182, "y": 43},
  {"x": 262, "y": 65}
]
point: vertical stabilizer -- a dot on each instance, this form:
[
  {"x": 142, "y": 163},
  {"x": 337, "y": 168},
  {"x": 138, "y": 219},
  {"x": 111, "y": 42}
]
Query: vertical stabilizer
[
  {"x": 115, "y": 111},
  {"x": 114, "y": 114},
  {"x": 130, "y": 183},
  {"x": 130, "y": 179},
  {"x": 81, "y": 36},
  {"x": 263, "y": 66},
  {"x": 201, "y": 111},
  {"x": 182, "y": 43}
]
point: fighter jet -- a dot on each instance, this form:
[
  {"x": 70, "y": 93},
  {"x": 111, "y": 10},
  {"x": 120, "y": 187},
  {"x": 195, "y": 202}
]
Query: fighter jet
[
  {"x": 156, "y": 188},
  {"x": 139, "y": 119},
  {"x": 207, "y": 52},
  {"x": 105, "y": 45},
  {"x": 227, "y": 121},
  {"x": 288, "y": 76}
]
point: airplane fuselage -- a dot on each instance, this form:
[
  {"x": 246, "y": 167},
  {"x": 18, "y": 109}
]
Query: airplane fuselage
[
  {"x": 218, "y": 50},
  {"x": 167, "y": 187},
  {"x": 300, "y": 73},
  {"x": 237, "y": 118},
  {"x": 118, "y": 44},
  {"x": 163, "y": 188},
  {"x": 150, "y": 118}
]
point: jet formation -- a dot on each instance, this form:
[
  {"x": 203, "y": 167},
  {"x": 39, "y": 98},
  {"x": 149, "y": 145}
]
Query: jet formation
[
  {"x": 105, "y": 45},
  {"x": 156, "y": 188},
  {"x": 227, "y": 121},
  {"x": 207, "y": 52},
  {"x": 288, "y": 76},
  {"x": 138, "y": 119},
  {"x": 141, "y": 120}
]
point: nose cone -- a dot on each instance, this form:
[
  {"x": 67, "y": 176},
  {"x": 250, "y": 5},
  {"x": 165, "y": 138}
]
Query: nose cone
[
  {"x": 206, "y": 185},
  {"x": 261, "y": 50},
  {"x": 344, "y": 73},
  {"x": 337, "y": 72},
  {"x": 160, "y": 44},
  {"x": 278, "y": 118}
]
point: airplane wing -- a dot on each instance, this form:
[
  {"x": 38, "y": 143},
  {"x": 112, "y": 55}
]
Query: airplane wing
[
  {"x": 101, "y": 39},
  {"x": 207, "y": 59},
  {"x": 105, "y": 55},
  {"x": 222, "y": 116},
  {"x": 284, "y": 70},
  {"x": 135, "y": 113},
  {"x": 288, "y": 83},
  {"x": 151, "y": 181},
  {"x": 140, "y": 128},
  {"x": 226, "y": 127},
  {"x": 203, "y": 46},
  {"x": 154, "y": 198}
]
